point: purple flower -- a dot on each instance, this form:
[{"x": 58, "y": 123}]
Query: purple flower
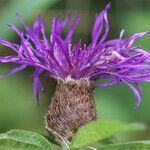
[{"x": 118, "y": 59}]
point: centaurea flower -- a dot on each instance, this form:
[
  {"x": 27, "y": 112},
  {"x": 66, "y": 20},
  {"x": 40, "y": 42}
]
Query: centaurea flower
[{"x": 77, "y": 67}]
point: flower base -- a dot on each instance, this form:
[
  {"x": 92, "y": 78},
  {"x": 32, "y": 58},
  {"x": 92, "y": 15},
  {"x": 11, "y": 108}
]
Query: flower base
[{"x": 72, "y": 106}]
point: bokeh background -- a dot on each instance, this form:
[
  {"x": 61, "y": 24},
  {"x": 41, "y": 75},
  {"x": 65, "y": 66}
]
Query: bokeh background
[{"x": 18, "y": 109}]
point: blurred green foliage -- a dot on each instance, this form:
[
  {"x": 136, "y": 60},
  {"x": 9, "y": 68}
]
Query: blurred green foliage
[
  {"x": 94, "y": 132},
  {"x": 100, "y": 130},
  {"x": 17, "y": 102}
]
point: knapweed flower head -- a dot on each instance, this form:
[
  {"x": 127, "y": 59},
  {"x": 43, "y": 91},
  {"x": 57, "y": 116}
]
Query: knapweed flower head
[{"x": 117, "y": 59}]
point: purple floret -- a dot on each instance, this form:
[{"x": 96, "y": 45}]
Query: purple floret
[{"x": 118, "y": 59}]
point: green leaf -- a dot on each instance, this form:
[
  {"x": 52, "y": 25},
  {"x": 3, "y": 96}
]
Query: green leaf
[
  {"x": 99, "y": 130},
  {"x": 137, "y": 145},
  {"x": 23, "y": 140}
]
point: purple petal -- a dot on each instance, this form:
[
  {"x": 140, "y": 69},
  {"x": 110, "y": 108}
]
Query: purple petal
[
  {"x": 136, "y": 36},
  {"x": 101, "y": 19},
  {"x": 13, "y": 27},
  {"x": 14, "y": 70},
  {"x": 135, "y": 91},
  {"x": 37, "y": 84},
  {"x": 38, "y": 25},
  {"x": 72, "y": 28},
  {"x": 9, "y": 44},
  {"x": 58, "y": 25},
  {"x": 113, "y": 82},
  {"x": 7, "y": 59},
  {"x": 21, "y": 20}
]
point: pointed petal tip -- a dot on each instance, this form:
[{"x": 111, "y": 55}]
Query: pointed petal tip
[
  {"x": 108, "y": 5},
  {"x": 17, "y": 14},
  {"x": 121, "y": 33},
  {"x": 69, "y": 14},
  {"x": 20, "y": 18},
  {"x": 37, "y": 102},
  {"x": 137, "y": 105},
  {"x": 9, "y": 24},
  {"x": 78, "y": 15},
  {"x": 39, "y": 18}
]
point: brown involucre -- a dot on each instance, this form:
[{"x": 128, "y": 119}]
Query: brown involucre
[{"x": 72, "y": 106}]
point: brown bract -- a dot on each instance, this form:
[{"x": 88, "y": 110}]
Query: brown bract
[{"x": 72, "y": 106}]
